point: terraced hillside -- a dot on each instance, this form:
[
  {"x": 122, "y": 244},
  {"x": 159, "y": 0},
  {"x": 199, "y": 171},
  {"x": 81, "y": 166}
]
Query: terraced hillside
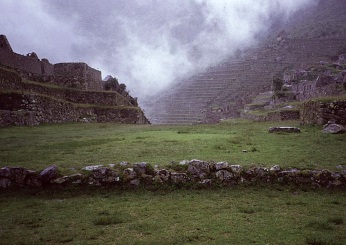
[
  {"x": 223, "y": 90},
  {"x": 27, "y": 102}
]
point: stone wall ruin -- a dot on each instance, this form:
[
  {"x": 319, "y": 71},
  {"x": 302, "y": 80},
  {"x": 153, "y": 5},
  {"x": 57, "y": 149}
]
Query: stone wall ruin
[
  {"x": 75, "y": 75},
  {"x": 198, "y": 173},
  {"x": 319, "y": 112},
  {"x": 34, "y": 91}
]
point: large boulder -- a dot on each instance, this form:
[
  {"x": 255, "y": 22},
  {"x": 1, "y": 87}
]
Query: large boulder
[
  {"x": 237, "y": 169},
  {"x": 224, "y": 175},
  {"x": 162, "y": 175},
  {"x": 140, "y": 168},
  {"x": 221, "y": 166},
  {"x": 48, "y": 174},
  {"x": 333, "y": 128},
  {"x": 105, "y": 175},
  {"x": 129, "y": 174},
  {"x": 179, "y": 178},
  {"x": 199, "y": 169},
  {"x": 5, "y": 177},
  {"x": 18, "y": 176}
]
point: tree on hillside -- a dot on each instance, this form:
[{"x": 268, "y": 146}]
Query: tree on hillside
[
  {"x": 277, "y": 84},
  {"x": 121, "y": 88},
  {"x": 112, "y": 84}
]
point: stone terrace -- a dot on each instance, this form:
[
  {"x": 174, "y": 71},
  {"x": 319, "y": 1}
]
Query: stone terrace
[{"x": 223, "y": 90}]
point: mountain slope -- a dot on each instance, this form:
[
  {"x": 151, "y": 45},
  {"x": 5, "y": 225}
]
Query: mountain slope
[{"x": 222, "y": 90}]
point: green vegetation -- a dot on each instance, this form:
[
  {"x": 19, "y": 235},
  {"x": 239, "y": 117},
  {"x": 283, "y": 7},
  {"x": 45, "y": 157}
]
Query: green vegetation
[
  {"x": 215, "y": 216},
  {"x": 238, "y": 215},
  {"x": 277, "y": 84},
  {"x": 330, "y": 98},
  {"x": 77, "y": 145}
]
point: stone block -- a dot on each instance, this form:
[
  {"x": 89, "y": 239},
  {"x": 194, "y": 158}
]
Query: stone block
[{"x": 284, "y": 130}]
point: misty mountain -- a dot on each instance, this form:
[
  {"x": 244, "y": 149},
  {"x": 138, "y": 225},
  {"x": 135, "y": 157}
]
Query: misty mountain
[{"x": 229, "y": 84}]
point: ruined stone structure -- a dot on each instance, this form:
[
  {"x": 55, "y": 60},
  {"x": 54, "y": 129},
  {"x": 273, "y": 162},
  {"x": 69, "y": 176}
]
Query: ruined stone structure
[
  {"x": 75, "y": 75},
  {"x": 33, "y": 91},
  {"x": 223, "y": 90},
  {"x": 29, "y": 63},
  {"x": 78, "y": 75},
  {"x": 319, "y": 112}
]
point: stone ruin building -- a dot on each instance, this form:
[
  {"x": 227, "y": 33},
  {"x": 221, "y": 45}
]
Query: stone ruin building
[
  {"x": 34, "y": 91},
  {"x": 75, "y": 75}
]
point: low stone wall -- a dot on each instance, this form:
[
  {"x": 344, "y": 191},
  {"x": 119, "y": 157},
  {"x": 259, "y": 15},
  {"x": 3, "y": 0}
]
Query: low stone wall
[
  {"x": 316, "y": 112},
  {"x": 199, "y": 173}
]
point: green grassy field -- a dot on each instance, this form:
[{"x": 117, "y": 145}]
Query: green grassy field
[
  {"x": 78, "y": 145},
  {"x": 220, "y": 216},
  {"x": 238, "y": 215}
]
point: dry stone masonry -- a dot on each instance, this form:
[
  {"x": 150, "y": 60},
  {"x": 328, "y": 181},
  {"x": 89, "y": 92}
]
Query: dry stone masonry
[
  {"x": 198, "y": 173},
  {"x": 33, "y": 91}
]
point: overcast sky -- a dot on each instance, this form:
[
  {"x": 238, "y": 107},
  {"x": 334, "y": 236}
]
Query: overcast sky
[{"x": 146, "y": 44}]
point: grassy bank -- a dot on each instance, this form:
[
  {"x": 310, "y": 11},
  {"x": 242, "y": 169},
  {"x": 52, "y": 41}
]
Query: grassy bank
[
  {"x": 228, "y": 216},
  {"x": 78, "y": 145}
]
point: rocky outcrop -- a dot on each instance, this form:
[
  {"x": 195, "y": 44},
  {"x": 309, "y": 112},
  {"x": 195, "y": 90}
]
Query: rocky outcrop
[{"x": 198, "y": 173}]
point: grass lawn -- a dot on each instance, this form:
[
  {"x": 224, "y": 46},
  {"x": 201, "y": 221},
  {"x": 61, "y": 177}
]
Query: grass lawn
[
  {"x": 238, "y": 215},
  {"x": 77, "y": 145},
  {"x": 221, "y": 216}
]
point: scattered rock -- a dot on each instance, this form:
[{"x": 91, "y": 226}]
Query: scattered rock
[
  {"x": 48, "y": 174},
  {"x": 275, "y": 168},
  {"x": 199, "y": 169},
  {"x": 104, "y": 175},
  {"x": 123, "y": 164},
  {"x": 179, "y": 178},
  {"x": 135, "y": 182},
  {"x": 140, "y": 168},
  {"x": 221, "y": 166},
  {"x": 92, "y": 167},
  {"x": 129, "y": 174},
  {"x": 184, "y": 162},
  {"x": 333, "y": 129},
  {"x": 205, "y": 182},
  {"x": 4, "y": 182},
  {"x": 284, "y": 130},
  {"x": 162, "y": 175},
  {"x": 75, "y": 178},
  {"x": 237, "y": 169},
  {"x": 223, "y": 175}
]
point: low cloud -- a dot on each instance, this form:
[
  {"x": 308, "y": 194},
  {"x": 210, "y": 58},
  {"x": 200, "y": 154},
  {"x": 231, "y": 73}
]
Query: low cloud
[{"x": 148, "y": 45}]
